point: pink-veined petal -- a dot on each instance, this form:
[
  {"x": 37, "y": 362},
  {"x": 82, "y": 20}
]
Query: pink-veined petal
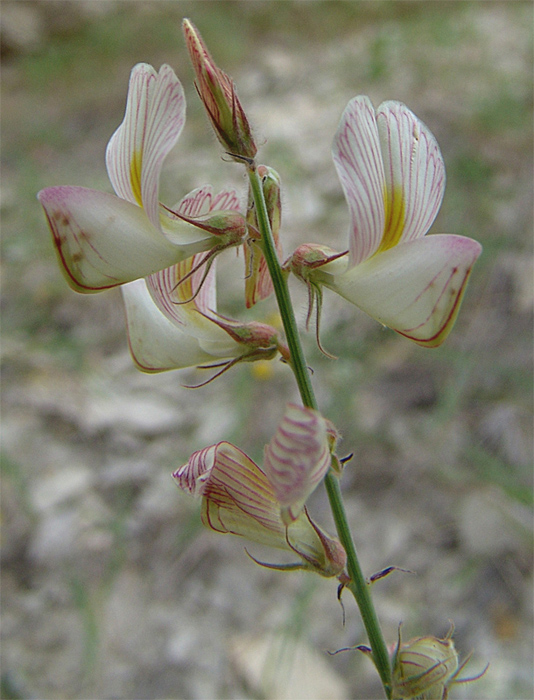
[
  {"x": 219, "y": 210},
  {"x": 297, "y": 458},
  {"x": 175, "y": 299},
  {"x": 176, "y": 291},
  {"x": 103, "y": 241},
  {"x": 191, "y": 476},
  {"x": 358, "y": 160},
  {"x": 156, "y": 343},
  {"x": 153, "y": 121},
  {"x": 415, "y": 288},
  {"x": 415, "y": 174},
  {"x": 203, "y": 201}
]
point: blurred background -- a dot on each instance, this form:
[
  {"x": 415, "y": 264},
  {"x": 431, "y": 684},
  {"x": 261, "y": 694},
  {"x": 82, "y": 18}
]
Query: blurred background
[{"x": 111, "y": 588}]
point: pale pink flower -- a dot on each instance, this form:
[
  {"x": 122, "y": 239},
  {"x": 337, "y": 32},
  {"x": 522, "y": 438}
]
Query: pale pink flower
[{"x": 172, "y": 322}]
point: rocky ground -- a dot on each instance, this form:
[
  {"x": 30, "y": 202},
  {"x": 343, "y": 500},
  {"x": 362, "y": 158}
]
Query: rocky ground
[{"x": 111, "y": 588}]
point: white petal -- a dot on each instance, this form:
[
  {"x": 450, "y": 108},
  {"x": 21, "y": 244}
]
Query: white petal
[
  {"x": 358, "y": 160},
  {"x": 153, "y": 121},
  {"x": 415, "y": 174},
  {"x": 156, "y": 343},
  {"x": 103, "y": 241},
  {"x": 415, "y": 288}
]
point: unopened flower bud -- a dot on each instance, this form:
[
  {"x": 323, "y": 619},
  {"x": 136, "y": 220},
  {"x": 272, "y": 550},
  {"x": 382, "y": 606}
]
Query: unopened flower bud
[
  {"x": 263, "y": 341},
  {"x": 425, "y": 668},
  {"x": 218, "y": 94},
  {"x": 258, "y": 283},
  {"x": 310, "y": 256}
]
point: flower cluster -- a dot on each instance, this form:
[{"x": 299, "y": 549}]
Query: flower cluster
[{"x": 393, "y": 176}]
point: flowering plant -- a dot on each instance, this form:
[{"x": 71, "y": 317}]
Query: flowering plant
[{"x": 393, "y": 176}]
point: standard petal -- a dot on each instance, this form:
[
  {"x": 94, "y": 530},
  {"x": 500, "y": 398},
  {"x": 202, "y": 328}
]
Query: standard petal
[
  {"x": 415, "y": 174},
  {"x": 103, "y": 241},
  {"x": 297, "y": 458},
  {"x": 156, "y": 344},
  {"x": 415, "y": 288},
  {"x": 358, "y": 160},
  {"x": 181, "y": 290},
  {"x": 153, "y": 121}
]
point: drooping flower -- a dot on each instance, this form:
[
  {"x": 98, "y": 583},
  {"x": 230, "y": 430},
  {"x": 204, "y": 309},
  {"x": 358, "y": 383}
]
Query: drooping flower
[
  {"x": 393, "y": 178},
  {"x": 297, "y": 458},
  {"x": 238, "y": 498},
  {"x": 172, "y": 323},
  {"x": 104, "y": 240},
  {"x": 218, "y": 94}
]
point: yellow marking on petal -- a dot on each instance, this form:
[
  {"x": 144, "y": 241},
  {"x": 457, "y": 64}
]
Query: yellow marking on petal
[
  {"x": 262, "y": 370},
  {"x": 274, "y": 319},
  {"x": 135, "y": 176},
  {"x": 394, "y": 219}
]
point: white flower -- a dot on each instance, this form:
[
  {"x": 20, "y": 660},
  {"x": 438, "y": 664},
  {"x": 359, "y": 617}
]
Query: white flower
[
  {"x": 393, "y": 177},
  {"x": 104, "y": 240}
]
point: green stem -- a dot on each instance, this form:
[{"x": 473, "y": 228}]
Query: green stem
[
  {"x": 281, "y": 290},
  {"x": 358, "y": 585}
]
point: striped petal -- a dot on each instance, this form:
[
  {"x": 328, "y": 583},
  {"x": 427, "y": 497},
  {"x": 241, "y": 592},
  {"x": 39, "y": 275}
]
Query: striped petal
[
  {"x": 103, "y": 241},
  {"x": 415, "y": 174},
  {"x": 178, "y": 295},
  {"x": 237, "y": 496},
  {"x": 203, "y": 201},
  {"x": 415, "y": 288},
  {"x": 297, "y": 458},
  {"x": 175, "y": 298},
  {"x": 156, "y": 343},
  {"x": 358, "y": 160},
  {"x": 153, "y": 121}
]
